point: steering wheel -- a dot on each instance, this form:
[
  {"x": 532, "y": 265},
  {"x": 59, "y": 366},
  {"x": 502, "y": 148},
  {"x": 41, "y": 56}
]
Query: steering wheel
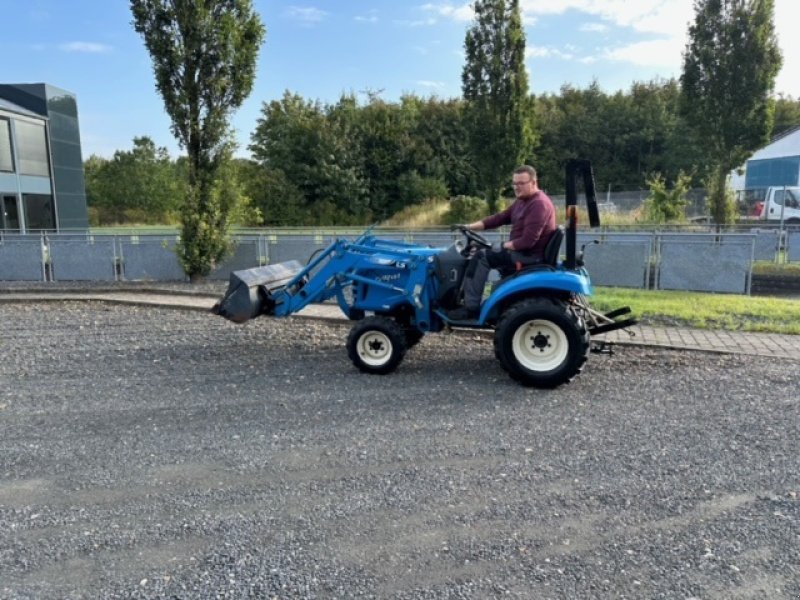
[{"x": 474, "y": 237}]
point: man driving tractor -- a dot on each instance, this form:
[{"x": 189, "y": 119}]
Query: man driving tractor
[{"x": 533, "y": 220}]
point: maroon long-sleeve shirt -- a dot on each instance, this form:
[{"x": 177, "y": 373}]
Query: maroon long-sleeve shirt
[{"x": 532, "y": 220}]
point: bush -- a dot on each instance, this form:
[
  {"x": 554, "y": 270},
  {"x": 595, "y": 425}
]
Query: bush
[
  {"x": 415, "y": 189},
  {"x": 466, "y": 209},
  {"x": 664, "y": 205}
]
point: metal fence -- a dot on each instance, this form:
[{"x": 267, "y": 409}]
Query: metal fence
[{"x": 698, "y": 260}]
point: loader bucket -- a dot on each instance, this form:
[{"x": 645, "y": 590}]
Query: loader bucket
[{"x": 250, "y": 291}]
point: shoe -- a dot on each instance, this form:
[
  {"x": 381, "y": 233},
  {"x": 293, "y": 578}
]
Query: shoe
[{"x": 463, "y": 314}]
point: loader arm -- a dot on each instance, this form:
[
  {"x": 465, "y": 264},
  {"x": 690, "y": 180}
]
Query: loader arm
[{"x": 340, "y": 266}]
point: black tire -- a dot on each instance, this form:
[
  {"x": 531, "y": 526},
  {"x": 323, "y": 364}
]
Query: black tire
[
  {"x": 376, "y": 345},
  {"x": 541, "y": 342}
]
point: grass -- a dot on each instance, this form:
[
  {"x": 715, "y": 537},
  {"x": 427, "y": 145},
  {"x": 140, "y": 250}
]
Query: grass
[
  {"x": 705, "y": 311},
  {"x": 779, "y": 269},
  {"x": 427, "y": 214}
]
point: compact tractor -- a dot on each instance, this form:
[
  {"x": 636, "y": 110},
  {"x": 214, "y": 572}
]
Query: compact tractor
[{"x": 396, "y": 292}]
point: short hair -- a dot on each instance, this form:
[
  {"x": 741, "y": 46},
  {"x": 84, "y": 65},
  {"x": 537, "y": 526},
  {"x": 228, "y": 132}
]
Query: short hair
[{"x": 526, "y": 169}]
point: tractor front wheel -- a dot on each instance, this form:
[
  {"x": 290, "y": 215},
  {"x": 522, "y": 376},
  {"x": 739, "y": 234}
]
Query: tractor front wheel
[
  {"x": 541, "y": 342},
  {"x": 376, "y": 345}
]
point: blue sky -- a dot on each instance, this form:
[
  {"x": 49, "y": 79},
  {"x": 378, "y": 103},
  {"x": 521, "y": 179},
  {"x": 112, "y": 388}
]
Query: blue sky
[{"x": 322, "y": 48}]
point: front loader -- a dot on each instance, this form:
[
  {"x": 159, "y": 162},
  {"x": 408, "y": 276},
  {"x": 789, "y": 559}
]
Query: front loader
[{"x": 396, "y": 292}]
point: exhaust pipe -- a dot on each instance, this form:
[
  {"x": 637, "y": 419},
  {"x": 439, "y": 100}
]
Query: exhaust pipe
[{"x": 250, "y": 291}]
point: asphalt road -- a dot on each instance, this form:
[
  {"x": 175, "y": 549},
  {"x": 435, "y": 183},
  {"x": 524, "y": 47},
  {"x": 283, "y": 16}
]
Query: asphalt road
[{"x": 167, "y": 454}]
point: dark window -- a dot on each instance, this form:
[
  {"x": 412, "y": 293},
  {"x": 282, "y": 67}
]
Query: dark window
[
  {"x": 32, "y": 149},
  {"x": 39, "y": 213},
  {"x": 10, "y": 214},
  {"x": 6, "y": 159}
]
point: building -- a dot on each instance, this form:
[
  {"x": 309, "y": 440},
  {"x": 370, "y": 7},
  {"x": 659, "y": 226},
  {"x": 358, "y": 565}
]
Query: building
[
  {"x": 774, "y": 165},
  {"x": 41, "y": 167}
]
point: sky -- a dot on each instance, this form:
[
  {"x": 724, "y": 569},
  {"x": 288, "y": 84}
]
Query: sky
[{"x": 323, "y": 48}]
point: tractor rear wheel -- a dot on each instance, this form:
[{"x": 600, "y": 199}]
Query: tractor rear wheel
[
  {"x": 541, "y": 342},
  {"x": 376, "y": 345}
]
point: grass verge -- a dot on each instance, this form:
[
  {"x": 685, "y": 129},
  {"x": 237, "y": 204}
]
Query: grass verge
[{"x": 704, "y": 311}]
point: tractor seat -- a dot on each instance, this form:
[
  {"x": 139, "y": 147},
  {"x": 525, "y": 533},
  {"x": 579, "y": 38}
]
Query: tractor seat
[
  {"x": 551, "y": 251},
  {"x": 553, "y": 247},
  {"x": 548, "y": 262}
]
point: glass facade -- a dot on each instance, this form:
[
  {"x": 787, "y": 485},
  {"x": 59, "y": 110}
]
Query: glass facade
[
  {"x": 45, "y": 133},
  {"x": 6, "y": 156},
  {"x": 32, "y": 148}
]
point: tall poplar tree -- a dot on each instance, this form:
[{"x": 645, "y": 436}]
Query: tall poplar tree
[
  {"x": 498, "y": 110},
  {"x": 204, "y": 58},
  {"x": 729, "y": 70}
]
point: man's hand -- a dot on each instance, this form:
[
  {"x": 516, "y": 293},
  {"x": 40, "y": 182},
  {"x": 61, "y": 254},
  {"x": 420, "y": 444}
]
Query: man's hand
[{"x": 459, "y": 227}]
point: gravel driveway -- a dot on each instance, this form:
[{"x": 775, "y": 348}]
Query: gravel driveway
[{"x": 161, "y": 454}]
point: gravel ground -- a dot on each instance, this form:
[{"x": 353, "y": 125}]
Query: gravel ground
[{"x": 166, "y": 454}]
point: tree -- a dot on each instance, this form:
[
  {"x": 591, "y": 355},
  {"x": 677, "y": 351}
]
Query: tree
[
  {"x": 307, "y": 148},
  {"x": 495, "y": 86},
  {"x": 204, "y": 58},
  {"x": 787, "y": 113},
  {"x": 729, "y": 70},
  {"x": 137, "y": 185}
]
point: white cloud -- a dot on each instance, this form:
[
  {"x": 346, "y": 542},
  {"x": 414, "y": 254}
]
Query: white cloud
[
  {"x": 549, "y": 52},
  {"x": 594, "y": 27},
  {"x": 462, "y": 12},
  {"x": 370, "y": 17},
  {"x": 90, "y": 47},
  {"x": 665, "y": 22},
  {"x": 431, "y": 84},
  {"x": 307, "y": 15},
  {"x": 649, "y": 16},
  {"x": 786, "y": 27},
  {"x": 655, "y": 53},
  {"x": 418, "y": 23}
]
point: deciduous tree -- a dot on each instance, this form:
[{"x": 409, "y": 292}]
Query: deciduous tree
[
  {"x": 204, "y": 58},
  {"x": 729, "y": 70},
  {"x": 495, "y": 86}
]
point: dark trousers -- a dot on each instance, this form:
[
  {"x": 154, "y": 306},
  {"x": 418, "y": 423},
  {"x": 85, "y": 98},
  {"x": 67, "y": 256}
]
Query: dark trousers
[
  {"x": 484, "y": 261},
  {"x": 478, "y": 272}
]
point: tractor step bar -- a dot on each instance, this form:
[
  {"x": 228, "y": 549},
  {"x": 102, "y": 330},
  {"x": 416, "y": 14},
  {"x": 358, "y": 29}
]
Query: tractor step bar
[{"x": 250, "y": 290}]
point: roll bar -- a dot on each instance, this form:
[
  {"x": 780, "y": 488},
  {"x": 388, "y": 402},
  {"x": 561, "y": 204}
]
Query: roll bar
[{"x": 576, "y": 167}]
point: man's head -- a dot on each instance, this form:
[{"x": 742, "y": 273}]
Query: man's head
[{"x": 524, "y": 181}]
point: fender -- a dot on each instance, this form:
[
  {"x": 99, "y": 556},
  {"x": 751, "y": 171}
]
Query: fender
[{"x": 568, "y": 281}]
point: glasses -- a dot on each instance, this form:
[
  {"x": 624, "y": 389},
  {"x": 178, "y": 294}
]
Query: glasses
[{"x": 521, "y": 183}]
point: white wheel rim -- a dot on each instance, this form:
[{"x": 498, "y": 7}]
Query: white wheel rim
[
  {"x": 375, "y": 348},
  {"x": 540, "y": 345}
]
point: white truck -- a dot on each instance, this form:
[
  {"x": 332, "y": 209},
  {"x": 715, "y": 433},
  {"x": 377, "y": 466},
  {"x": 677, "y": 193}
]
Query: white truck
[{"x": 778, "y": 204}]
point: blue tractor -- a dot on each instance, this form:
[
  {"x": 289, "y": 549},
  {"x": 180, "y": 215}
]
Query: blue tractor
[{"x": 396, "y": 292}]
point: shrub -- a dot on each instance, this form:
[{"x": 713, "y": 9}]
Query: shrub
[
  {"x": 466, "y": 209},
  {"x": 415, "y": 189},
  {"x": 664, "y": 205}
]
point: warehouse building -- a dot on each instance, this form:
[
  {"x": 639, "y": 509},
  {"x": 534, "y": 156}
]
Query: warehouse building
[
  {"x": 775, "y": 165},
  {"x": 41, "y": 167}
]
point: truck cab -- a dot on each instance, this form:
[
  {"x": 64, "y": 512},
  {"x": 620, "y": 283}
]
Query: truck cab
[{"x": 775, "y": 204}]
